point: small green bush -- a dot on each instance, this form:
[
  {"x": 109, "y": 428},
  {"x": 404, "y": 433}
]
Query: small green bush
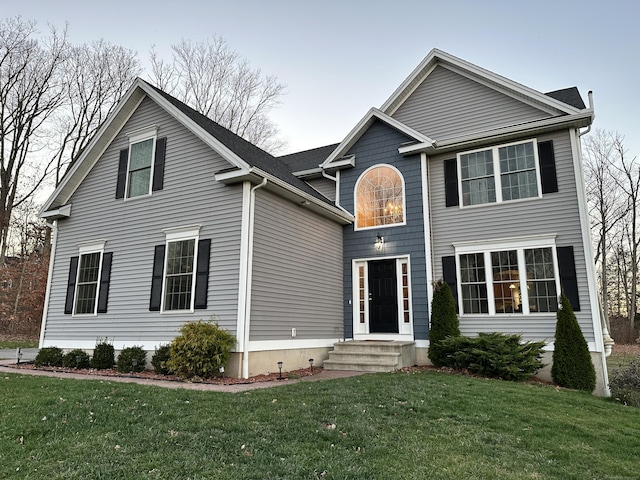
[
  {"x": 200, "y": 349},
  {"x": 625, "y": 384},
  {"x": 132, "y": 359},
  {"x": 572, "y": 366},
  {"x": 495, "y": 355},
  {"x": 159, "y": 359},
  {"x": 444, "y": 322},
  {"x": 49, "y": 356},
  {"x": 103, "y": 356},
  {"x": 76, "y": 359}
]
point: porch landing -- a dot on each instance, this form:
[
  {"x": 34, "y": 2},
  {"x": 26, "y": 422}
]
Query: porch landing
[{"x": 371, "y": 356}]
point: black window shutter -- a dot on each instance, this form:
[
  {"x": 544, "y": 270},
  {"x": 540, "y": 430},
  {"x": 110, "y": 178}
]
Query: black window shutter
[
  {"x": 105, "y": 277},
  {"x": 122, "y": 173},
  {"x": 156, "y": 278},
  {"x": 547, "y": 160},
  {"x": 158, "y": 164},
  {"x": 451, "y": 182},
  {"x": 450, "y": 276},
  {"x": 202, "y": 273},
  {"x": 568, "y": 278},
  {"x": 71, "y": 285}
]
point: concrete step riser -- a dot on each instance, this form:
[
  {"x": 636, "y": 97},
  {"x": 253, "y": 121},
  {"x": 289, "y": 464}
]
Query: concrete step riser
[
  {"x": 358, "y": 368},
  {"x": 371, "y": 356},
  {"x": 346, "y": 357}
]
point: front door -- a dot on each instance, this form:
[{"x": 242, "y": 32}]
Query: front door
[{"x": 383, "y": 297}]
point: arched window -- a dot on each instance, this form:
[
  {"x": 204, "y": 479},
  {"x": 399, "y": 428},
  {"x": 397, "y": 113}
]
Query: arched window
[{"x": 379, "y": 197}]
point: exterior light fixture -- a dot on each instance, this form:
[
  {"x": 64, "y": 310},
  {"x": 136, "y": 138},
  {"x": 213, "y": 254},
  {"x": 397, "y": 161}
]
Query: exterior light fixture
[
  {"x": 18, "y": 355},
  {"x": 379, "y": 242},
  {"x": 221, "y": 370},
  {"x": 280, "y": 370},
  {"x": 311, "y": 364},
  {"x": 134, "y": 363}
]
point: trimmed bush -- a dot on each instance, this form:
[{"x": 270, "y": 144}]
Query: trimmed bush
[
  {"x": 444, "y": 322},
  {"x": 132, "y": 359},
  {"x": 572, "y": 366},
  {"x": 76, "y": 359},
  {"x": 495, "y": 355},
  {"x": 49, "y": 356},
  {"x": 625, "y": 384},
  {"x": 199, "y": 350},
  {"x": 103, "y": 356},
  {"x": 159, "y": 360}
]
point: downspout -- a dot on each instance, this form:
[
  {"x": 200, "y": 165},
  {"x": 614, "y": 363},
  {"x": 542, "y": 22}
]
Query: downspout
[
  {"x": 47, "y": 295},
  {"x": 247, "y": 287}
]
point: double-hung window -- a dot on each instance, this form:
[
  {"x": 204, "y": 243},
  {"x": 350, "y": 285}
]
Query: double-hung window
[
  {"x": 142, "y": 146},
  {"x": 510, "y": 278},
  {"x": 499, "y": 174},
  {"x": 179, "y": 275},
  {"x": 89, "y": 277}
]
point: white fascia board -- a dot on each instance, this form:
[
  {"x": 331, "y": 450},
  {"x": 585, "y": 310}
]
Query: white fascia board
[
  {"x": 582, "y": 119},
  {"x": 492, "y": 79},
  {"x": 235, "y": 176},
  {"x": 366, "y": 121},
  {"x": 61, "y": 212},
  {"x": 308, "y": 173},
  {"x": 96, "y": 147}
]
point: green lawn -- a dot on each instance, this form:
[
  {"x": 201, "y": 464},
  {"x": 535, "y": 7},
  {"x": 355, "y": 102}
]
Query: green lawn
[
  {"x": 5, "y": 344},
  {"x": 383, "y": 426}
]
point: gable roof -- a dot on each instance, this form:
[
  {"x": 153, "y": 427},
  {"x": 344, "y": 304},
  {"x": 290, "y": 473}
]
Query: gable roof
[
  {"x": 307, "y": 160},
  {"x": 244, "y": 157},
  {"x": 516, "y": 90},
  {"x": 570, "y": 96}
]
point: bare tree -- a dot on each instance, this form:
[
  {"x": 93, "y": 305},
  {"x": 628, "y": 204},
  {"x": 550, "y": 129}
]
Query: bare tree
[
  {"x": 30, "y": 91},
  {"x": 96, "y": 77},
  {"x": 217, "y": 82},
  {"x": 607, "y": 205}
]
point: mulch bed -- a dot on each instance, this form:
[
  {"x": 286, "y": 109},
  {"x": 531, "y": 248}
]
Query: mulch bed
[{"x": 151, "y": 375}]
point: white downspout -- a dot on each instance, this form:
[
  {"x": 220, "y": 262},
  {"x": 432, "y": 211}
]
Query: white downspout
[
  {"x": 247, "y": 287},
  {"x": 52, "y": 255}
]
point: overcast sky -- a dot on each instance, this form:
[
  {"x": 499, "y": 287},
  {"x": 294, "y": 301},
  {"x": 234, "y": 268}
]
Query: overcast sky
[{"x": 340, "y": 58}]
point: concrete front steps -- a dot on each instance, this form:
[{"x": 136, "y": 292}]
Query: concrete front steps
[{"x": 371, "y": 356}]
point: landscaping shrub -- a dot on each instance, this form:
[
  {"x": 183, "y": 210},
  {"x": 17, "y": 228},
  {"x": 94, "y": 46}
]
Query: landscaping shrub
[
  {"x": 495, "y": 355},
  {"x": 625, "y": 384},
  {"x": 200, "y": 349},
  {"x": 103, "y": 356},
  {"x": 159, "y": 359},
  {"x": 132, "y": 359},
  {"x": 444, "y": 322},
  {"x": 76, "y": 359},
  {"x": 49, "y": 356},
  {"x": 572, "y": 366}
]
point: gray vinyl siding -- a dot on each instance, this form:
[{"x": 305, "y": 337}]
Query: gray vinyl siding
[
  {"x": 297, "y": 272},
  {"x": 448, "y": 105},
  {"x": 131, "y": 229},
  {"x": 555, "y": 213},
  {"x": 379, "y": 145},
  {"x": 325, "y": 186}
]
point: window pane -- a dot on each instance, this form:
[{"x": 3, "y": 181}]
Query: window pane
[
  {"x": 379, "y": 198},
  {"x": 179, "y": 275},
  {"x": 506, "y": 281},
  {"x": 541, "y": 280},
  {"x": 139, "y": 182},
  {"x": 477, "y": 179},
  {"x": 141, "y": 153},
  {"x": 472, "y": 281},
  {"x": 87, "y": 285},
  {"x": 518, "y": 171}
]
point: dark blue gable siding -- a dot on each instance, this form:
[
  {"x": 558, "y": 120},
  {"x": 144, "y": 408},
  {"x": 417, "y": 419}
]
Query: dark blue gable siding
[{"x": 379, "y": 145}]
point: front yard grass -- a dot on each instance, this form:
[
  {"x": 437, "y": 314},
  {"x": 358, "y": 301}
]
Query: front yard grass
[
  {"x": 7, "y": 344},
  {"x": 381, "y": 426}
]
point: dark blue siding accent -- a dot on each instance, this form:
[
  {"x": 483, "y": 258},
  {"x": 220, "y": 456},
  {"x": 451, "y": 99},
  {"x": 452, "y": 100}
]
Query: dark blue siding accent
[{"x": 379, "y": 145}]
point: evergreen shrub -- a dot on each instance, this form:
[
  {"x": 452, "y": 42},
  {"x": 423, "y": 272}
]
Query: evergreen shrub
[
  {"x": 132, "y": 359},
  {"x": 495, "y": 355},
  {"x": 103, "y": 356},
  {"x": 76, "y": 359},
  {"x": 572, "y": 366},
  {"x": 49, "y": 356},
  {"x": 200, "y": 349},
  {"x": 444, "y": 322},
  {"x": 625, "y": 384},
  {"x": 159, "y": 359}
]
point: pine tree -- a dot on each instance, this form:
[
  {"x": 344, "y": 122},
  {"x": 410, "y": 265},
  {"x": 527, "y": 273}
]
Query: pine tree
[
  {"x": 444, "y": 322},
  {"x": 572, "y": 366}
]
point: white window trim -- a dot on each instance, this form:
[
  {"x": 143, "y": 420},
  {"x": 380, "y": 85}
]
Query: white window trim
[
  {"x": 497, "y": 174},
  {"x": 87, "y": 248},
  {"x": 520, "y": 244},
  {"x": 177, "y": 234},
  {"x": 137, "y": 136},
  {"x": 355, "y": 199}
]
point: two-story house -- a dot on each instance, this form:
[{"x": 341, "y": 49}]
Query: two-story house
[{"x": 461, "y": 175}]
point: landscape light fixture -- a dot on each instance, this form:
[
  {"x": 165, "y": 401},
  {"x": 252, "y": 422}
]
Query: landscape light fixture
[
  {"x": 379, "y": 242},
  {"x": 280, "y": 370},
  {"x": 221, "y": 370},
  {"x": 18, "y": 355},
  {"x": 311, "y": 364}
]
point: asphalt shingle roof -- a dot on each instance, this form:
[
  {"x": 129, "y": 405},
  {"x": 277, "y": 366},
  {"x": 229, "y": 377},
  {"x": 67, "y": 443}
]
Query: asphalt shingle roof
[
  {"x": 308, "y": 159},
  {"x": 570, "y": 96}
]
